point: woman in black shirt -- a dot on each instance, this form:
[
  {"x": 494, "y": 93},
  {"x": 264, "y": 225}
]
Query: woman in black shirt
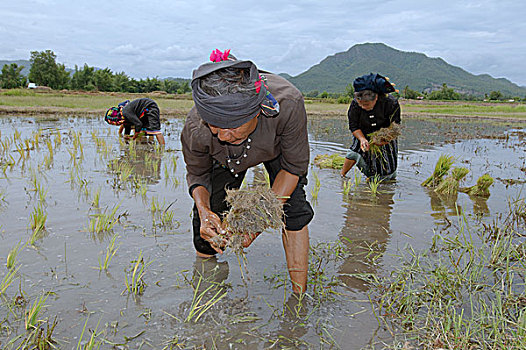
[{"x": 372, "y": 109}]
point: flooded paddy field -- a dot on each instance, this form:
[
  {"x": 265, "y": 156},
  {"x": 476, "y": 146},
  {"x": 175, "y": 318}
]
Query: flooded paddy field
[{"x": 98, "y": 233}]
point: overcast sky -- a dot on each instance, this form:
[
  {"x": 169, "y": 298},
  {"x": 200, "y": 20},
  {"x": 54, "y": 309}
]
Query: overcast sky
[{"x": 166, "y": 38}]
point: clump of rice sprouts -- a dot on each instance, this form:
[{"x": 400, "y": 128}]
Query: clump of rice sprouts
[
  {"x": 384, "y": 135},
  {"x": 332, "y": 161},
  {"x": 481, "y": 188},
  {"x": 441, "y": 169},
  {"x": 252, "y": 210},
  {"x": 449, "y": 186}
]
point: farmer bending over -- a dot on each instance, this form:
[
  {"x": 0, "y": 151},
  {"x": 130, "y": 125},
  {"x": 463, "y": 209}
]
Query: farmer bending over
[
  {"x": 372, "y": 109},
  {"x": 142, "y": 114},
  {"x": 242, "y": 118}
]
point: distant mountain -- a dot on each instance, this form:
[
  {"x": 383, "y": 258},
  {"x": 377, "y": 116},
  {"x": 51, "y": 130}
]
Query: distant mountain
[{"x": 416, "y": 70}]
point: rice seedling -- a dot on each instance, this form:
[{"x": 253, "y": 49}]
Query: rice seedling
[
  {"x": 458, "y": 292},
  {"x": 16, "y": 135},
  {"x": 481, "y": 188},
  {"x": 316, "y": 187},
  {"x": 92, "y": 343},
  {"x": 449, "y": 185},
  {"x": 39, "y": 338},
  {"x": 141, "y": 188},
  {"x": 13, "y": 254},
  {"x": 126, "y": 170},
  {"x": 166, "y": 172},
  {"x": 111, "y": 249},
  {"x": 103, "y": 222},
  {"x": 58, "y": 138},
  {"x": 347, "y": 186},
  {"x": 49, "y": 145},
  {"x": 373, "y": 182},
  {"x": 3, "y": 195},
  {"x": 8, "y": 279},
  {"x": 333, "y": 161},
  {"x": 199, "y": 305},
  {"x": 167, "y": 218},
  {"x": 48, "y": 161},
  {"x": 134, "y": 276},
  {"x": 37, "y": 220},
  {"x": 174, "y": 164},
  {"x": 155, "y": 205},
  {"x": 441, "y": 169},
  {"x": 32, "y": 315},
  {"x": 357, "y": 178},
  {"x": 96, "y": 198}
]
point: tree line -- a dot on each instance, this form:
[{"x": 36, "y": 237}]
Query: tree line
[
  {"x": 45, "y": 71},
  {"x": 445, "y": 93}
]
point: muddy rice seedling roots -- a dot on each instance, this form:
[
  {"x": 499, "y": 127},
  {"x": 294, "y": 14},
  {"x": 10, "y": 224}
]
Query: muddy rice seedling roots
[{"x": 252, "y": 210}]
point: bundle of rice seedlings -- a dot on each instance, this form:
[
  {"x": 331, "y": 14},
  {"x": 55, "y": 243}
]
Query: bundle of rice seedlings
[
  {"x": 384, "y": 135},
  {"x": 253, "y": 210},
  {"x": 449, "y": 186},
  {"x": 481, "y": 188},
  {"x": 333, "y": 161},
  {"x": 441, "y": 169}
]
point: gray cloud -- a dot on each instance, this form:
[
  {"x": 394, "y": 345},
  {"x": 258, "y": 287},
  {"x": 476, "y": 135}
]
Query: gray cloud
[{"x": 170, "y": 38}]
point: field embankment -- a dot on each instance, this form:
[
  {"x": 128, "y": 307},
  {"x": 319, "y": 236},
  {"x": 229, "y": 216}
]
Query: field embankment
[{"x": 24, "y": 102}]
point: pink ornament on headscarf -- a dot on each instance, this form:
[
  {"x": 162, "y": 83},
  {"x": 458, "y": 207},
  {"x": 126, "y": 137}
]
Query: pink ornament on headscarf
[
  {"x": 218, "y": 56},
  {"x": 257, "y": 84}
]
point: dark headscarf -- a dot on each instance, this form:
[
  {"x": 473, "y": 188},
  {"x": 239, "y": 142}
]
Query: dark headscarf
[
  {"x": 373, "y": 82},
  {"x": 232, "y": 110}
]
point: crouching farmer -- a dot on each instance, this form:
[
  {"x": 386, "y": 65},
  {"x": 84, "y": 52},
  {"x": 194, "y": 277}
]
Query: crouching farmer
[
  {"x": 242, "y": 118},
  {"x": 141, "y": 114}
]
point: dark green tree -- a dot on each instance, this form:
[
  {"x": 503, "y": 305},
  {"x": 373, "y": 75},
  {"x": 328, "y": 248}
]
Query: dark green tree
[
  {"x": 122, "y": 83},
  {"x": 153, "y": 84},
  {"x": 444, "y": 94},
  {"x": 349, "y": 90},
  {"x": 170, "y": 86},
  {"x": 313, "y": 93},
  {"x": 103, "y": 79},
  {"x": 45, "y": 70},
  {"x": 324, "y": 94},
  {"x": 184, "y": 87},
  {"x": 12, "y": 77},
  {"x": 495, "y": 95},
  {"x": 410, "y": 93},
  {"x": 83, "y": 78}
]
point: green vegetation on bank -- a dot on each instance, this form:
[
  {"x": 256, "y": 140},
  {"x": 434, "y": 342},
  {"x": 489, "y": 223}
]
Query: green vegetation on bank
[
  {"x": 16, "y": 101},
  {"x": 45, "y": 71}
]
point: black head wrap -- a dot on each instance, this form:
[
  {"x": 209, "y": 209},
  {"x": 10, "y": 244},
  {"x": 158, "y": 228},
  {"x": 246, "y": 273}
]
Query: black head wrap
[
  {"x": 232, "y": 110},
  {"x": 373, "y": 82}
]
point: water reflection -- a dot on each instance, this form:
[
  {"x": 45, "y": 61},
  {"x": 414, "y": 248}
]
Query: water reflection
[
  {"x": 136, "y": 162},
  {"x": 365, "y": 233}
]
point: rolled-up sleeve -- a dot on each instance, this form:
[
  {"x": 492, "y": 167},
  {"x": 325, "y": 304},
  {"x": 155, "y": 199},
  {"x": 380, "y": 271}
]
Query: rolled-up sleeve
[
  {"x": 196, "y": 153},
  {"x": 294, "y": 137}
]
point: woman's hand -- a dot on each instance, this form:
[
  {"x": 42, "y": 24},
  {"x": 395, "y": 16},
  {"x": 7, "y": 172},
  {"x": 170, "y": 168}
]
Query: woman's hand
[
  {"x": 248, "y": 238},
  {"x": 212, "y": 231},
  {"x": 364, "y": 144}
]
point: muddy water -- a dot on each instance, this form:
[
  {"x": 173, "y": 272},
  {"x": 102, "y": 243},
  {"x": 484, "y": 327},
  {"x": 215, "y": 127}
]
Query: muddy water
[{"x": 256, "y": 309}]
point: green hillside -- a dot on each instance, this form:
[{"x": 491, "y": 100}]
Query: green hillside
[{"x": 413, "y": 69}]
